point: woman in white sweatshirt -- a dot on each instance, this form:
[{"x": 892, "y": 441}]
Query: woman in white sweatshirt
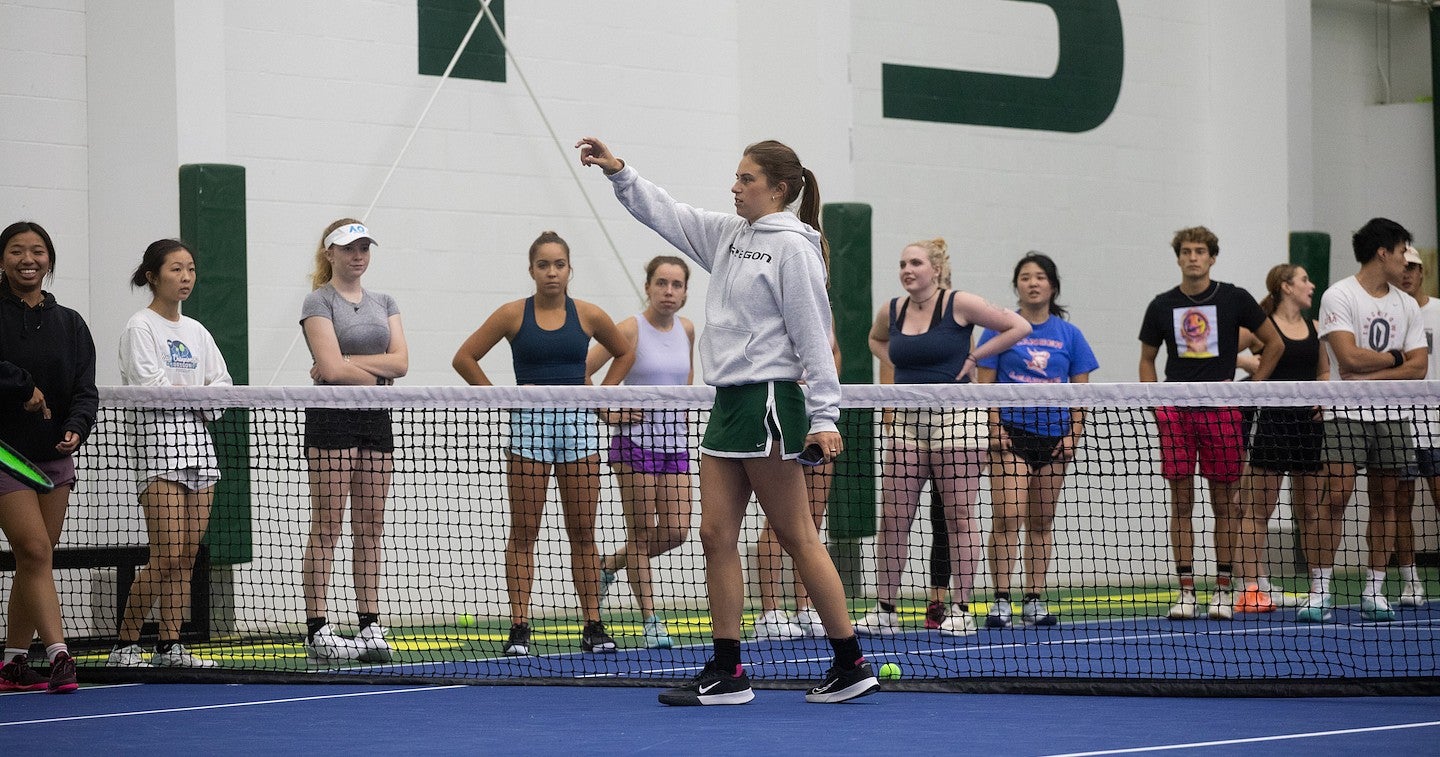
[
  {"x": 178, "y": 472},
  {"x": 756, "y": 347}
]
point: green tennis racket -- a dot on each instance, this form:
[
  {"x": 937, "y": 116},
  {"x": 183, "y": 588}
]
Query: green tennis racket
[{"x": 23, "y": 470}]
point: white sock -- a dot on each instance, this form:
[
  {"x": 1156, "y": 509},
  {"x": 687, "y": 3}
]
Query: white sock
[
  {"x": 1320, "y": 581},
  {"x": 11, "y": 652},
  {"x": 1410, "y": 574},
  {"x": 1263, "y": 584},
  {"x": 55, "y": 649},
  {"x": 1375, "y": 584}
]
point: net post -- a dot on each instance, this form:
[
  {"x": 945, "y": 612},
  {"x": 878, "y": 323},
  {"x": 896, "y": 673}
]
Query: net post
[
  {"x": 852, "y": 498},
  {"x": 212, "y": 221}
]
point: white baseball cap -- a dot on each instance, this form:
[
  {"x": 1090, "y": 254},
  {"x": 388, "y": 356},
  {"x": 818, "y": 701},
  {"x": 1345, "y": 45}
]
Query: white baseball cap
[
  {"x": 1412, "y": 256},
  {"x": 348, "y": 233}
]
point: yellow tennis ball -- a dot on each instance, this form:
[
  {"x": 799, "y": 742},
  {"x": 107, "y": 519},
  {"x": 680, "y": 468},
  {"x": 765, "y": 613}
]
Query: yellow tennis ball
[
  {"x": 890, "y": 671},
  {"x": 465, "y": 620}
]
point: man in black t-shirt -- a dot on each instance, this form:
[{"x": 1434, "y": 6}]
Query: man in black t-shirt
[{"x": 1199, "y": 323}]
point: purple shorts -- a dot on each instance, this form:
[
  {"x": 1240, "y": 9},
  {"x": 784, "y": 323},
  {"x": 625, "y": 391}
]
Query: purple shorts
[
  {"x": 623, "y": 451},
  {"x": 61, "y": 473}
]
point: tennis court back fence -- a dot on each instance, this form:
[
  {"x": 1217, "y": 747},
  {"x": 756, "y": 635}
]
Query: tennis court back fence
[{"x": 443, "y": 586}]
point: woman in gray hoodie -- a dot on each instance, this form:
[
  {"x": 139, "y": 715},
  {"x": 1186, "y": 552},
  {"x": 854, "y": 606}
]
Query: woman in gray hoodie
[{"x": 756, "y": 347}]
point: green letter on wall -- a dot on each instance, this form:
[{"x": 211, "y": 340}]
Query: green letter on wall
[{"x": 1079, "y": 97}]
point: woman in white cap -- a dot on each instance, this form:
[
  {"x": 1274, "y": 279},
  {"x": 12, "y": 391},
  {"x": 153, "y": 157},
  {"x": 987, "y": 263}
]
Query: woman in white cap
[{"x": 356, "y": 339}]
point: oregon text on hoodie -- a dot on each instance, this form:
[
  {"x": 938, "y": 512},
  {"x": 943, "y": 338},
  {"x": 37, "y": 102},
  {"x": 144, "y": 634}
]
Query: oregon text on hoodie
[
  {"x": 48, "y": 346},
  {"x": 767, "y": 317}
]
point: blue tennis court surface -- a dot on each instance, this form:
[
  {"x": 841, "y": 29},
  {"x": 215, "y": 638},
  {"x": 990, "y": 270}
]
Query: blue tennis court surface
[
  {"x": 159, "y": 719},
  {"x": 1271, "y": 647}
]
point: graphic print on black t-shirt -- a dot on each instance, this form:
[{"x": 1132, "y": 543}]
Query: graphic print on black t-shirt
[{"x": 1197, "y": 328}]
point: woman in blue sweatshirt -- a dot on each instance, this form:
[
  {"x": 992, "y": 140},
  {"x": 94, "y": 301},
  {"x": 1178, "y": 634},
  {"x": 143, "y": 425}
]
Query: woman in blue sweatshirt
[
  {"x": 48, "y": 403},
  {"x": 756, "y": 347}
]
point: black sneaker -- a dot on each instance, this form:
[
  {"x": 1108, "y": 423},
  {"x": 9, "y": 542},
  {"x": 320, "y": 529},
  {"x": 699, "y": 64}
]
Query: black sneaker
[
  {"x": 17, "y": 675},
  {"x": 842, "y": 685},
  {"x": 934, "y": 615},
  {"x": 62, "y": 675},
  {"x": 712, "y": 686},
  {"x": 594, "y": 639},
  {"x": 519, "y": 643}
]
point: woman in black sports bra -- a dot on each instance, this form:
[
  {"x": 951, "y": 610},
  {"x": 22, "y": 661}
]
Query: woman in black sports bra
[{"x": 1287, "y": 439}]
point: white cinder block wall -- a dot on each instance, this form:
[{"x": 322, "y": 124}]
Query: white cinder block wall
[{"x": 1253, "y": 118}]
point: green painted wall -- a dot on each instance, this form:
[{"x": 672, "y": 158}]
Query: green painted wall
[
  {"x": 852, "y": 500},
  {"x": 443, "y": 24}
]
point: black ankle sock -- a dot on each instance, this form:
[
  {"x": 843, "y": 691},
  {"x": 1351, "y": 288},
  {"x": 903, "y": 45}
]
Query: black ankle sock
[
  {"x": 1032, "y": 595},
  {"x": 887, "y": 607},
  {"x": 314, "y": 624},
  {"x": 368, "y": 618},
  {"x": 122, "y": 643},
  {"x": 1002, "y": 596},
  {"x": 165, "y": 646},
  {"x": 727, "y": 654},
  {"x": 847, "y": 652}
]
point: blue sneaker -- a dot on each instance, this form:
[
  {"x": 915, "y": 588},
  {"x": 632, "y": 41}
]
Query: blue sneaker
[
  {"x": 656, "y": 635},
  {"x": 1317, "y": 609}
]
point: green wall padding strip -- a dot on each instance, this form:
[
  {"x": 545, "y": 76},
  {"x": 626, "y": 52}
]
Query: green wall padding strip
[
  {"x": 852, "y": 500},
  {"x": 443, "y": 24},
  {"x": 212, "y": 221},
  {"x": 1311, "y": 250}
]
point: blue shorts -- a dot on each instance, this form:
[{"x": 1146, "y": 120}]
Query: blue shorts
[
  {"x": 624, "y": 451},
  {"x": 554, "y": 436}
]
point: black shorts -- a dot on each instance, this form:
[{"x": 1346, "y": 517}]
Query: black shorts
[
  {"x": 338, "y": 428},
  {"x": 1037, "y": 451},
  {"x": 1287, "y": 440}
]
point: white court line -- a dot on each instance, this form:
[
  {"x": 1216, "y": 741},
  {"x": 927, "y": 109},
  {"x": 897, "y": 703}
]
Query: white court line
[
  {"x": 87, "y": 688},
  {"x": 1254, "y": 740},
  {"x": 197, "y": 708}
]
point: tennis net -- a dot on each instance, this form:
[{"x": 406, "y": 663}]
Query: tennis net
[{"x": 444, "y": 600}]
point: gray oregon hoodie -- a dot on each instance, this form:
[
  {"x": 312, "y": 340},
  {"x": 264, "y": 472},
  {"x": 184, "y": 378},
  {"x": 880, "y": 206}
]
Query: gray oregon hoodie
[{"x": 767, "y": 317}]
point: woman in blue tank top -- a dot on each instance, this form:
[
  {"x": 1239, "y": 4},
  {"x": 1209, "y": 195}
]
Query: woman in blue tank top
[
  {"x": 650, "y": 451},
  {"x": 1287, "y": 440},
  {"x": 925, "y": 338},
  {"x": 549, "y": 335}
]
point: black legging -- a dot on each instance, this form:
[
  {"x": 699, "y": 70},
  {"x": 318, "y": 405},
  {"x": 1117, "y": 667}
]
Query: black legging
[{"x": 940, "y": 541}]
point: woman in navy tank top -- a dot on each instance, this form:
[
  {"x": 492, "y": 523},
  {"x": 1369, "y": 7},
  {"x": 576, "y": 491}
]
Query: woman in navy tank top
[
  {"x": 549, "y": 335},
  {"x": 1287, "y": 440},
  {"x": 925, "y": 337}
]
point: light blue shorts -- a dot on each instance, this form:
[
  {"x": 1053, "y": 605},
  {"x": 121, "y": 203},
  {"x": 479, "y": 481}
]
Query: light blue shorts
[{"x": 554, "y": 436}]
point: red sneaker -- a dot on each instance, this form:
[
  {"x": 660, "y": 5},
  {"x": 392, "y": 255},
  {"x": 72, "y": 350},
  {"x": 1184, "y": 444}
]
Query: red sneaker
[{"x": 1252, "y": 600}]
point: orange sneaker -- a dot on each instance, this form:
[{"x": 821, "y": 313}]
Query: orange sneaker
[{"x": 1253, "y": 600}]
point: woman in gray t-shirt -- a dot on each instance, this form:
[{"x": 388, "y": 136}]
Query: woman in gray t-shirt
[{"x": 356, "y": 339}]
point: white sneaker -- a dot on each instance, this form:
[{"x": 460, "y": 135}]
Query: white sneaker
[
  {"x": 1376, "y": 609},
  {"x": 1413, "y": 595},
  {"x": 775, "y": 624},
  {"x": 131, "y": 656},
  {"x": 373, "y": 647},
  {"x": 178, "y": 657},
  {"x": 656, "y": 635},
  {"x": 808, "y": 621},
  {"x": 1282, "y": 599},
  {"x": 877, "y": 622},
  {"x": 1222, "y": 607},
  {"x": 1000, "y": 614},
  {"x": 327, "y": 645},
  {"x": 1184, "y": 608},
  {"x": 1035, "y": 613},
  {"x": 958, "y": 623}
]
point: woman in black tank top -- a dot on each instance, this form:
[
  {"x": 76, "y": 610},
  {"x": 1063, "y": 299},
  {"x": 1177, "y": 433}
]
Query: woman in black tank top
[{"x": 1287, "y": 440}]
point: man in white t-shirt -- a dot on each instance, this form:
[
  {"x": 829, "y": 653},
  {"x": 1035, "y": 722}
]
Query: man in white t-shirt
[
  {"x": 1427, "y": 438},
  {"x": 1373, "y": 332}
]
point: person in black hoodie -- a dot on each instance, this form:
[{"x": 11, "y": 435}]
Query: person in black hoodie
[{"x": 48, "y": 403}]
